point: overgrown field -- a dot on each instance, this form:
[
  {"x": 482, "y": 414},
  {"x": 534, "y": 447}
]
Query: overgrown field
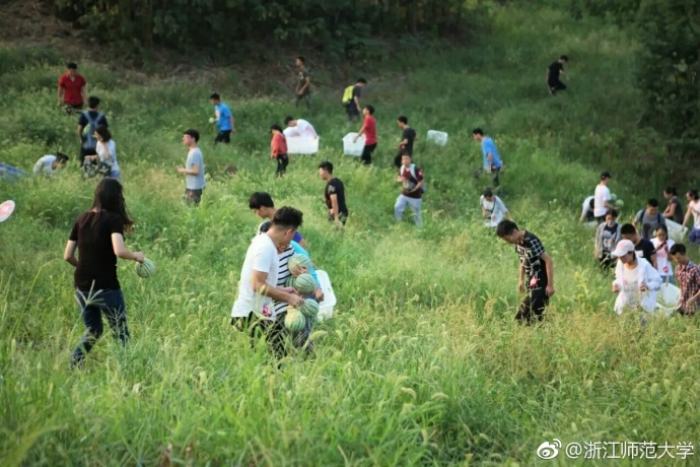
[{"x": 423, "y": 363}]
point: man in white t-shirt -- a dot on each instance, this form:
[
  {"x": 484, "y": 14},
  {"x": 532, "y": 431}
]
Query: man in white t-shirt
[
  {"x": 48, "y": 164},
  {"x": 299, "y": 127},
  {"x": 254, "y": 308},
  {"x": 603, "y": 198}
]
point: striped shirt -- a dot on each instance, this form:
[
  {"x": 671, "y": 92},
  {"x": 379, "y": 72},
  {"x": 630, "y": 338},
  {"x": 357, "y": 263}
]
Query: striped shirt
[
  {"x": 530, "y": 252},
  {"x": 282, "y": 276}
]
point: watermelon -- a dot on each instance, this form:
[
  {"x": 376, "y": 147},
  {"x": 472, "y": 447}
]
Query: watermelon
[
  {"x": 310, "y": 308},
  {"x": 304, "y": 284},
  {"x": 294, "y": 320},
  {"x": 619, "y": 204},
  {"x": 298, "y": 260},
  {"x": 145, "y": 269}
]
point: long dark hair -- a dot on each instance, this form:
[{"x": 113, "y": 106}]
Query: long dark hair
[{"x": 109, "y": 197}]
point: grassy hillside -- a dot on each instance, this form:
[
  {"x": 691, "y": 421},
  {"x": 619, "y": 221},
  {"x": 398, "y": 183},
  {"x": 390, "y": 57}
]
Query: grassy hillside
[{"x": 423, "y": 363}]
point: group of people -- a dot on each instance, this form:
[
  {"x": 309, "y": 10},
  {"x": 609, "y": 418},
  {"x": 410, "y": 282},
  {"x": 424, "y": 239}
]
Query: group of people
[
  {"x": 263, "y": 292},
  {"x": 641, "y": 251}
]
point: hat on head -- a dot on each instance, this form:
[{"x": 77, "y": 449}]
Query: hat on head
[{"x": 623, "y": 247}]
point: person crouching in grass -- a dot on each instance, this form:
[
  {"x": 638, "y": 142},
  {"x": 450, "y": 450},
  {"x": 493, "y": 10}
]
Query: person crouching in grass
[
  {"x": 536, "y": 271},
  {"x": 98, "y": 236}
]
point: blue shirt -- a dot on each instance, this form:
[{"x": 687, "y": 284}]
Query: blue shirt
[
  {"x": 488, "y": 146},
  {"x": 224, "y": 123}
]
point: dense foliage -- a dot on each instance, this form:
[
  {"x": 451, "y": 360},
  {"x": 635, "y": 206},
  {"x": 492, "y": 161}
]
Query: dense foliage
[{"x": 339, "y": 27}]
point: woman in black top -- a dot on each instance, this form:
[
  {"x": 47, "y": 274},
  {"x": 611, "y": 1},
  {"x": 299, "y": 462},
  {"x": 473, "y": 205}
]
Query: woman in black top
[{"x": 98, "y": 235}]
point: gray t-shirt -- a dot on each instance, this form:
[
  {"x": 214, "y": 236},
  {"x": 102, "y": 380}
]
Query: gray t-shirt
[
  {"x": 648, "y": 223},
  {"x": 195, "y": 182}
]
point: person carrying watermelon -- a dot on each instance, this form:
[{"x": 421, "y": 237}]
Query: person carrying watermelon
[
  {"x": 254, "y": 310},
  {"x": 351, "y": 98},
  {"x": 98, "y": 237}
]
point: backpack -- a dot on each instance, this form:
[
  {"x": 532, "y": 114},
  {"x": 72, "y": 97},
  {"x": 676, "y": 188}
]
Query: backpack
[
  {"x": 347, "y": 94},
  {"x": 89, "y": 141},
  {"x": 412, "y": 170}
]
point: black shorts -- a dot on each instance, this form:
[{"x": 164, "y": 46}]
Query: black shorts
[
  {"x": 223, "y": 137},
  {"x": 352, "y": 110},
  {"x": 193, "y": 196}
]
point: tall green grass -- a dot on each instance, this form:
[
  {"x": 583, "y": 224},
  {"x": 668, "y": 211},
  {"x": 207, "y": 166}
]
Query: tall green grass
[{"x": 423, "y": 363}]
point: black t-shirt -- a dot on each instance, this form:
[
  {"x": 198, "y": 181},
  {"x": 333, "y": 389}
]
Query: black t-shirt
[
  {"x": 678, "y": 214},
  {"x": 554, "y": 70},
  {"x": 356, "y": 92},
  {"x": 96, "y": 259},
  {"x": 409, "y": 134},
  {"x": 335, "y": 186},
  {"x": 647, "y": 249}
]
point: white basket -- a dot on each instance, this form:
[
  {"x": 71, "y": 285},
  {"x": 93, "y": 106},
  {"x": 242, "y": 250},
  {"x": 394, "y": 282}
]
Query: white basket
[
  {"x": 437, "y": 137},
  {"x": 325, "y": 308},
  {"x": 676, "y": 232},
  {"x": 351, "y": 148},
  {"x": 668, "y": 299},
  {"x": 302, "y": 145}
]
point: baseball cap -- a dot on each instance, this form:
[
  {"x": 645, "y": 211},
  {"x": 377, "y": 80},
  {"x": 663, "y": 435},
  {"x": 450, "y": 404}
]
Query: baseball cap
[{"x": 623, "y": 247}]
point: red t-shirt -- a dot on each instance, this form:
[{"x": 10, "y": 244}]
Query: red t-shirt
[
  {"x": 278, "y": 145},
  {"x": 370, "y": 130},
  {"x": 72, "y": 88}
]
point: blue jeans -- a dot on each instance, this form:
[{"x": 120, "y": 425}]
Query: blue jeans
[{"x": 92, "y": 305}]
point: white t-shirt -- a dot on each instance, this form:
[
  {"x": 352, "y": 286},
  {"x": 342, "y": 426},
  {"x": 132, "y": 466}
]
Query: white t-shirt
[
  {"x": 45, "y": 165},
  {"x": 495, "y": 208},
  {"x": 302, "y": 128},
  {"x": 663, "y": 265},
  {"x": 602, "y": 196},
  {"x": 586, "y": 206},
  {"x": 108, "y": 153},
  {"x": 261, "y": 256},
  {"x": 630, "y": 284},
  {"x": 695, "y": 210}
]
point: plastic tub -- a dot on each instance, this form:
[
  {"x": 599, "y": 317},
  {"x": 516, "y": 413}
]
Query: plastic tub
[
  {"x": 302, "y": 145},
  {"x": 351, "y": 148},
  {"x": 676, "y": 232},
  {"x": 325, "y": 308},
  {"x": 437, "y": 137},
  {"x": 668, "y": 298}
]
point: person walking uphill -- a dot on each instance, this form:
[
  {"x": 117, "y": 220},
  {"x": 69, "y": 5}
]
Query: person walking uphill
[
  {"x": 89, "y": 121},
  {"x": 492, "y": 162},
  {"x": 223, "y": 119},
  {"x": 334, "y": 194},
  {"x": 536, "y": 271},
  {"x": 411, "y": 179},
  {"x": 369, "y": 129},
  {"x": 303, "y": 87},
  {"x": 351, "y": 99},
  {"x": 193, "y": 169},
  {"x": 554, "y": 72},
  {"x": 98, "y": 237},
  {"x": 278, "y": 150},
  {"x": 71, "y": 89}
]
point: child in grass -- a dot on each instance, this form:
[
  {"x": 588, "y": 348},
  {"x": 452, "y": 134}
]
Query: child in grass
[
  {"x": 278, "y": 149},
  {"x": 662, "y": 245}
]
